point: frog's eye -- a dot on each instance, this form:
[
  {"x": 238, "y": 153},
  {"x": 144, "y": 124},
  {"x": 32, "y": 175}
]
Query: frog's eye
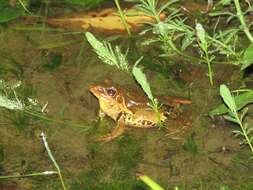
[{"x": 111, "y": 91}]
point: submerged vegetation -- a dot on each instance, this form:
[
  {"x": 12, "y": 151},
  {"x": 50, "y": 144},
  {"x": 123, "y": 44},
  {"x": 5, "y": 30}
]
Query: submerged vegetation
[{"x": 57, "y": 67}]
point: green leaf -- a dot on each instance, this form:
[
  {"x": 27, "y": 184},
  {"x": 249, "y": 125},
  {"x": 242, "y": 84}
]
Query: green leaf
[
  {"x": 86, "y": 3},
  {"x": 240, "y": 101},
  {"x": 10, "y": 104},
  {"x": 229, "y": 118},
  {"x": 142, "y": 80},
  {"x": 8, "y": 13},
  {"x": 247, "y": 57},
  {"x": 201, "y": 34},
  {"x": 151, "y": 183},
  {"x": 227, "y": 98}
]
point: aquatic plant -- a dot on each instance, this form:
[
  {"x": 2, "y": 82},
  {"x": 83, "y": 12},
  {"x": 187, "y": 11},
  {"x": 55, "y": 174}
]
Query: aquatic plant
[
  {"x": 203, "y": 44},
  {"x": 107, "y": 54},
  {"x": 24, "y": 3},
  {"x": 239, "y": 14},
  {"x": 9, "y": 12},
  {"x": 150, "y": 182},
  {"x": 122, "y": 17},
  {"x": 174, "y": 35},
  {"x": 45, "y": 173},
  {"x": 246, "y": 131},
  {"x": 247, "y": 58},
  {"x": 43, "y": 136},
  {"x": 11, "y": 100},
  {"x": 140, "y": 77},
  {"x": 152, "y": 8},
  {"x": 191, "y": 146}
]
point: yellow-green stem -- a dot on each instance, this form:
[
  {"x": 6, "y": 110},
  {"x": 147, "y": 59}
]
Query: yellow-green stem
[
  {"x": 210, "y": 72},
  {"x": 122, "y": 17},
  {"x": 244, "y": 132},
  {"x": 242, "y": 20}
]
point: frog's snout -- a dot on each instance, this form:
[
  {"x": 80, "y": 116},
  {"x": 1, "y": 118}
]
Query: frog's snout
[{"x": 96, "y": 90}]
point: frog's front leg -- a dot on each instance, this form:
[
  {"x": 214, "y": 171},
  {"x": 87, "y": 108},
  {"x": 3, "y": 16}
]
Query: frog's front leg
[{"x": 116, "y": 131}]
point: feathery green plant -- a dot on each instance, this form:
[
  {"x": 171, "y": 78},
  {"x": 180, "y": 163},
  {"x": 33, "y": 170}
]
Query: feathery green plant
[
  {"x": 246, "y": 131},
  {"x": 10, "y": 100},
  {"x": 107, "y": 54},
  {"x": 151, "y": 7}
]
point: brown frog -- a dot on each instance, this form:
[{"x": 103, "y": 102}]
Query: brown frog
[{"x": 127, "y": 109}]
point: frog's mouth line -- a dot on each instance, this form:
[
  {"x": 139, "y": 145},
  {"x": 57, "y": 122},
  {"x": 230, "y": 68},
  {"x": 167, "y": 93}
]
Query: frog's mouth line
[
  {"x": 94, "y": 91},
  {"x": 97, "y": 91}
]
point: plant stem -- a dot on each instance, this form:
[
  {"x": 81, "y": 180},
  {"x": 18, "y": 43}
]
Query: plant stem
[
  {"x": 244, "y": 132},
  {"x": 242, "y": 20},
  {"x": 53, "y": 160},
  {"x": 29, "y": 175},
  {"x": 122, "y": 17},
  {"x": 42, "y": 117},
  {"x": 210, "y": 72}
]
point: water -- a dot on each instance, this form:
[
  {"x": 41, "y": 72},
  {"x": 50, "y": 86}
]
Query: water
[{"x": 202, "y": 155}]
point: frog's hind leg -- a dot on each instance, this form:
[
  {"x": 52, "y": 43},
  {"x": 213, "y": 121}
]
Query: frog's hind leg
[{"x": 115, "y": 132}]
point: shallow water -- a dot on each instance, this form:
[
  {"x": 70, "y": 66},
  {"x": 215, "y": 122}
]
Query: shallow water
[{"x": 204, "y": 155}]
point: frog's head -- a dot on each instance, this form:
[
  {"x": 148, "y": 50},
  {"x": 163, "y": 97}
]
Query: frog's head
[{"x": 107, "y": 93}]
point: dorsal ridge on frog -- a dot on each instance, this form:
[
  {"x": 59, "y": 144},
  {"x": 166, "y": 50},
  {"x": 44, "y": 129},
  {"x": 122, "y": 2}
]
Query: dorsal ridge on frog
[{"x": 125, "y": 109}]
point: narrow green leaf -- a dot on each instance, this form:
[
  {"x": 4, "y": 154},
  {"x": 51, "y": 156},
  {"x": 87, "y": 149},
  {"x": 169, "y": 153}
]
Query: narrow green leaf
[
  {"x": 142, "y": 80},
  {"x": 240, "y": 101},
  {"x": 229, "y": 118},
  {"x": 247, "y": 57},
  {"x": 151, "y": 183},
  {"x": 227, "y": 97}
]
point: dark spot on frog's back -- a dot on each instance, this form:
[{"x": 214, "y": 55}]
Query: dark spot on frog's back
[{"x": 146, "y": 123}]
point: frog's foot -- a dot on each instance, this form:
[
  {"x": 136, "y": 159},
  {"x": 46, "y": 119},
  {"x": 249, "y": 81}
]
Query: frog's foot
[{"x": 115, "y": 132}]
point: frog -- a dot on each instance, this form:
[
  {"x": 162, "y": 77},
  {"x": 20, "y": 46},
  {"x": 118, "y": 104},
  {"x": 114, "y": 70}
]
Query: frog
[{"x": 126, "y": 109}]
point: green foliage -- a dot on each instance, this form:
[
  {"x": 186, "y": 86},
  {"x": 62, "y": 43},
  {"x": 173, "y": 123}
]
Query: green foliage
[
  {"x": 140, "y": 77},
  {"x": 126, "y": 157},
  {"x": 191, "y": 146},
  {"x": 122, "y": 17},
  {"x": 107, "y": 54},
  {"x": 203, "y": 44},
  {"x": 246, "y": 131},
  {"x": 247, "y": 57},
  {"x": 8, "y": 13},
  {"x": 8, "y": 97},
  {"x": 151, "y": 7},
  {"x": 10, "y": 66},
  {"x": 142, "y": 80},
  {"x": 85, "y": 3},
  {"x": 52, "y": 61},
  {"x": 150, "y": 182},
  {"x": 240, "y": 101}
]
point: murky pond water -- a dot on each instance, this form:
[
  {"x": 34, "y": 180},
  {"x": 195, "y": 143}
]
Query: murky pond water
[{"x": 192, "y": 152}]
